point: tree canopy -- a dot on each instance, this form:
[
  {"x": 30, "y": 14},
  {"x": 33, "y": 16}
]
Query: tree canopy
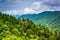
[{"x": 12, "y": 28}]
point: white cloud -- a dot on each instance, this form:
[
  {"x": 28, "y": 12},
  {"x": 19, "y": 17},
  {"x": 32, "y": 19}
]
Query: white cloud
[
  {"x": 35, "y": 8},
  {"x": 36, "y": 5},
  {"x": 21, "y": 12},
  {"x": 29, "y": 10}
]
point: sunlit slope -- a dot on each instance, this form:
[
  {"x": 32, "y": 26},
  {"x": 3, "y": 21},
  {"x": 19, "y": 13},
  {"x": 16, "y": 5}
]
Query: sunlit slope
[{"x": 12, "y": 28}]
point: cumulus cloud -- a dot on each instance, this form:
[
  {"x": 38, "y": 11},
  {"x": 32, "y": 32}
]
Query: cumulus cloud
[
  {"x": 20, "y": 12},
  {"x": 33, "y": 9},
  {"x": 29, "y": 10},
  {"x": 37, "y": 7}
]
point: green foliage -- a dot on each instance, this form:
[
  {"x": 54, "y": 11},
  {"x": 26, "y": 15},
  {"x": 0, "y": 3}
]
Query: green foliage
[{"x": 12, "y": 28}]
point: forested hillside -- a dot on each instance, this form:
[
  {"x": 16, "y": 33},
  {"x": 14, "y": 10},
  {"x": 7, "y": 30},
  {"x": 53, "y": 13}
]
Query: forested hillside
[
  {"x": 50, "y": 19},
  {"x": 12, "y": 28}
]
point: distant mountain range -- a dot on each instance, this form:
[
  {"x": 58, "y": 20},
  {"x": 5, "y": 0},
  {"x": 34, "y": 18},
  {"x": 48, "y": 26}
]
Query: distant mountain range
[{"x": 50, "y": 19}]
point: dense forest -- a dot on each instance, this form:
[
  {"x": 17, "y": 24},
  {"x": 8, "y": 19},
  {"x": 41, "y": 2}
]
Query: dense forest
[
  {"x": 12, "y": 28},
  {"x": 50, "y": 19}
]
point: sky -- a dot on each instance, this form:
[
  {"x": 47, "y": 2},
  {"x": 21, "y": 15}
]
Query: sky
[{"x": 20, "y": 7}]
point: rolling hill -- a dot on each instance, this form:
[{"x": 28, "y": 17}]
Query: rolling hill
[{"x": 50, "y": 19}]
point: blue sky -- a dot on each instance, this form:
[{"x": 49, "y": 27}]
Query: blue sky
[{"x": 19, "y": 7}]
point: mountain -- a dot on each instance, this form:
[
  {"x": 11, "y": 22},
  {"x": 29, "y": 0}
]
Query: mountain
[
  {"x": 50, "y": 19},
  {"x": 12, "y": 28}
]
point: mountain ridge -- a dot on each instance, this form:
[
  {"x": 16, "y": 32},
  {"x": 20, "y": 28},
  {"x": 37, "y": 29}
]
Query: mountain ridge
[{"x": 47, "y": 18}]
